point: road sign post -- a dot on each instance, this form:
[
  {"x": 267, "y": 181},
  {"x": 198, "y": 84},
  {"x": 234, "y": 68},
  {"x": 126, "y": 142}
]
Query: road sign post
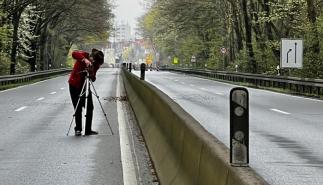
[
  {"x": 223, "y": 50},
  {"x": 239, "y": 127}
]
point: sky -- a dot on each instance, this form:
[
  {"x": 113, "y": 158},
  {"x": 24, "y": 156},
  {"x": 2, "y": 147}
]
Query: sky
[{"x": 128, "y": 11}]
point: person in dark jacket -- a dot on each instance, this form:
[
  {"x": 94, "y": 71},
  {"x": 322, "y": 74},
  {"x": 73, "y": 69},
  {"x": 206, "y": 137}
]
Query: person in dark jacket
[{"x": 90, "y": 62}]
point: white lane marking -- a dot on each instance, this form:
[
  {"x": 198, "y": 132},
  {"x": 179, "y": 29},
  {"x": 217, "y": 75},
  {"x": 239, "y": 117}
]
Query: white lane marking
[
  {"x": 129, "y": 172},
  {"x": 183, "y": 83},
  {"x": 221, "y": 94},
  {"x": 62, "y": 88},
  {"x": 52, "y": 93},
  {"x": 203, "y": 89},
  {"x": 176, "y": 80},
  {"x": 280, "y": 111},
  {"x": 40, "y": 99},
  {"x": 20, "y": 109},
  {"x": 192, "y": 85}
]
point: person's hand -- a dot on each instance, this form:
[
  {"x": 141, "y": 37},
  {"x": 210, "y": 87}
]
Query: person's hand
[{"x": 87, "y": 62}]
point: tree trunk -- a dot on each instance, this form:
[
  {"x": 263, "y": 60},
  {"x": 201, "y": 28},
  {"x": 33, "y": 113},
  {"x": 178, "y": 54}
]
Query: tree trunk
[
  {"x": 259, "y": 37},
  {"x": 33, "y": 56},
  {"x": 268, "y": 30},
  {"x": 15, "y": 40},
  {"x": 42, "y": 47},
  {"x": 252, "y": 65},
  {"x": 236, "y": 26},
  {"x": 34, "y": 46},
  {"x": 311, "y": 13}
]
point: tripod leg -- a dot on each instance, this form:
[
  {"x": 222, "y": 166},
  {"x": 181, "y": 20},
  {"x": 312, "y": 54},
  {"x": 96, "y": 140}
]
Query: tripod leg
[
  {"x": 75, "y": 109},
  {"x": 86, "y": 94},
  {"x": 105, "y": 115},
  {"x": 69, "y": 129}
]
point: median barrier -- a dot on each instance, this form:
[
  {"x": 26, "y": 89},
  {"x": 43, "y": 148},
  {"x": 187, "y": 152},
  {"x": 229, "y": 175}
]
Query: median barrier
[{"x": 183, "y": 152}]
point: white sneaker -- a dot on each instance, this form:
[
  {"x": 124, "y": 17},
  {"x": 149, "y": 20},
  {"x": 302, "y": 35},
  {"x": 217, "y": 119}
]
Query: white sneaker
[{"x": 78, "y": 133}]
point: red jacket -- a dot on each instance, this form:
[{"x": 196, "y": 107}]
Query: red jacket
[{"x": 77, "y": 77}]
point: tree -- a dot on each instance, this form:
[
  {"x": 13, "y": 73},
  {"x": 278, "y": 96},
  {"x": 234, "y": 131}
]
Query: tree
[
  {"x": 251, "y": 30},
  {"x": 14, "y": 9},
  {"x": 44, "y": 31}
]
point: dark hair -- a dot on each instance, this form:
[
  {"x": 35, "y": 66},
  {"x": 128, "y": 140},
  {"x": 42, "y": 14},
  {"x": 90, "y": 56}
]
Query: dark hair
[{"x": 98, "y": 56}]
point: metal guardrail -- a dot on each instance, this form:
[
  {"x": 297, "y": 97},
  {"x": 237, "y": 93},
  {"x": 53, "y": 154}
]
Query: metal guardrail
[
  {"x": 15, "y": 79},
  {"x": 303, "y": 86}
]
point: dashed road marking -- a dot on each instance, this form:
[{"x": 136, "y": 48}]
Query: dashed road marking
[
  {"x": 221, "y": 94},
  {"x": 20, "y": 109},
  {"x": 62, "y": 88},
  {"x": 52, "y": 93},
  {"x": 40, "y": 99},
  {"x": 280, "y": 111},
  {"x": 203, "y": 89}
]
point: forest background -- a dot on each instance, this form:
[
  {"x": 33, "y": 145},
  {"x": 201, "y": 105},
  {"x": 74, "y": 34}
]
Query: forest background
[
  {"x": 39, "y": 34},
  {"x": 249, "y": 30}
]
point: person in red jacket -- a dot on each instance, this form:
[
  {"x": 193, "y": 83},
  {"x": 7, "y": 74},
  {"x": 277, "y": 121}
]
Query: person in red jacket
[{"x": 90, "y": 62}]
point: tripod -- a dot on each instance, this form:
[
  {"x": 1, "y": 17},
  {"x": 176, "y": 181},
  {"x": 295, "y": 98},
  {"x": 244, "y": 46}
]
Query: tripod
[{"x": 87, "y": 85}]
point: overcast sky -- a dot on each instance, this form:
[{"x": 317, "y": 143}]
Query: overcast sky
[{"x": 128, "y": 11}]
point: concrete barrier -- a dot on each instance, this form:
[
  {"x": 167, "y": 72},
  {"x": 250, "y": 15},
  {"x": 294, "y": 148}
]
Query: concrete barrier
[{"x": 183, "y": 152}]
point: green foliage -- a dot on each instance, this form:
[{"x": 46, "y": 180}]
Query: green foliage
[
  {"x": 201, "y": 28},
  {"x": 46, "y": 30},
  {"x": 5, "y": 42},
  {"x": 4, "y": 64},
  {"x": 69, "y": 58}
]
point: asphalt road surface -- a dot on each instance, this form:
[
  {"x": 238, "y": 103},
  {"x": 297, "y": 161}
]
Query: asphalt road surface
[
  {"x": 35, "y": 150},
  {"x": 285, "y": 131}
]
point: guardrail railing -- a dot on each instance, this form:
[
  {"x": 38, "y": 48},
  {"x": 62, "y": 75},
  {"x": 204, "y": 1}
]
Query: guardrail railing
[
  {"x": 15, "y": 79},
  {"x": 303, "y": 86}
]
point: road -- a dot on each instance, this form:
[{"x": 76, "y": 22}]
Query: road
[
  {"x": 35, "y": 150},
  {"x": 285, "y": 131}
]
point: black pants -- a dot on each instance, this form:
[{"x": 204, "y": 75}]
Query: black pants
[{"x": 75, "y": 95}]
